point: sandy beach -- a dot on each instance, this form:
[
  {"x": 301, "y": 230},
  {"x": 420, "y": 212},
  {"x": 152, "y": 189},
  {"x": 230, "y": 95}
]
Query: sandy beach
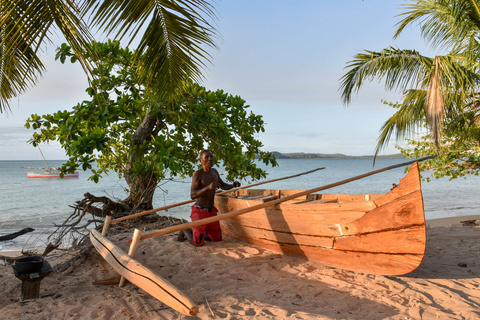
[{"x": 233, "y": 280}]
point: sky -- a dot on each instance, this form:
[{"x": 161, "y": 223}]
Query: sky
[{"x": 285, "y": 58}]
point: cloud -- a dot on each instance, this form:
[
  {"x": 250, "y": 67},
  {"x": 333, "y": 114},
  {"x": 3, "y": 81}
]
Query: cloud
[{"x": 10, "y": 136}]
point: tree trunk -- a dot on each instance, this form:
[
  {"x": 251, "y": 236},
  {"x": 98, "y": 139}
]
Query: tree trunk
[
  {"x": 141, "y": 193},
  {"x": 142, "y": 186}
]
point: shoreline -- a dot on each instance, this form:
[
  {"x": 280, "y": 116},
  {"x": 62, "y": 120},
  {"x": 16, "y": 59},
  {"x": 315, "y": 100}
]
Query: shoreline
[{"x": 450, "y": 221}]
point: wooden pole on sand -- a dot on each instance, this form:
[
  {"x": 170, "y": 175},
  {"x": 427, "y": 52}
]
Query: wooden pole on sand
[
  {"x": 131, "y": 252},
  {"x": 270, "y": 203},
  {"x": 106, "y": 224}
]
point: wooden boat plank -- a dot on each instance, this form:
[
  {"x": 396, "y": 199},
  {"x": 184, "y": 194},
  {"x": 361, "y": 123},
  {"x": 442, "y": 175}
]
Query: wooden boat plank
[
  {"x": 301, "y": 204},
  {"x": 260, "y": 198},
  {"x": 349, "y": 197},
  {"x": 337, "y": 206},
  {"x": 295, "y": 222},
  {"x": 284, "y": 237},
  {"x": 410, "y": 183},
  {"x": 390, "y": 241},
  {"x": 404, "y": 211},
  {"x": 312, "y": 197},
  {"x": 368, "y": 262},
  {"x": 304, "y": 228},
  {"x": 316, "y": 202},
  {"x": 376, "y": 263},
  {"x": 141, "y": 276}
]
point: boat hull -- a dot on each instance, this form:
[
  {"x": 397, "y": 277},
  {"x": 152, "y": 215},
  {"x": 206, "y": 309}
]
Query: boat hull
[
  {"x": 376, "y": 234},
  {"x": 51, "y": 175}
]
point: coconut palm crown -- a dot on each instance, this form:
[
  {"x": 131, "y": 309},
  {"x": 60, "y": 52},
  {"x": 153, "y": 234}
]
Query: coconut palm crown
[
  {"x": 431, "y": 87},
  {"x": 172, "y": 36}
]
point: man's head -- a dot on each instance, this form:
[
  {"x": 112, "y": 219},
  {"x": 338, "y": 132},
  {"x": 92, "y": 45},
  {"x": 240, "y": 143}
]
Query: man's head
[{"x": 207, "y": 159}]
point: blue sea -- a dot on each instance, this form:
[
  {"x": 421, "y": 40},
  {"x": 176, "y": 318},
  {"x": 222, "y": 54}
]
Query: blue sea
[{"x": 39, "y": 203}]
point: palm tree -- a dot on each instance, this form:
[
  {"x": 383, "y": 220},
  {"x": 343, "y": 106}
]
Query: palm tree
[
  {"x": 430, "y": 86},
  {"x": 173, "y": 45}
]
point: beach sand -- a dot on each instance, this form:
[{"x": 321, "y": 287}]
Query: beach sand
[{"x": 233, "y": 280}]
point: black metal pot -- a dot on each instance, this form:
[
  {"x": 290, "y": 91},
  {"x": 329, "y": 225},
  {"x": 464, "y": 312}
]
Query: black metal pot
[{"x": 29, "y": 264}]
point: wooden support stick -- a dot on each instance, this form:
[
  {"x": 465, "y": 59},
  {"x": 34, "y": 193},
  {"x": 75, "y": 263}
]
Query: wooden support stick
[
  {"x": 232, "y": 214},
  {"x": 131, "y": 252},
  {"x": 143, "y": 213},
  {"x": 106, "y": 224}
]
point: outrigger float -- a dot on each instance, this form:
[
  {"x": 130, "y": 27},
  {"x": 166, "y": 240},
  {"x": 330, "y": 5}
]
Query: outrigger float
[{"x": 144, "y": 278}]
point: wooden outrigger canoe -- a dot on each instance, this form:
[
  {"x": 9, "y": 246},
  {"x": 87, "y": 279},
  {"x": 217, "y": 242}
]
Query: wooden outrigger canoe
[
  {"x": 376, "y": 234},
  {"x": 141, "y": 276}
]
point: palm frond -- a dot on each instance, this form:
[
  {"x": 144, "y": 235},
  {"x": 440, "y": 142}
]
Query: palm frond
[
  {"x": 402, "y": 69},
  {"x": 173, "y": 46},
  {"x": 25, "y": 27},
  {"x": 446, "y": 24},
  {"x": 406, "y": 121}
]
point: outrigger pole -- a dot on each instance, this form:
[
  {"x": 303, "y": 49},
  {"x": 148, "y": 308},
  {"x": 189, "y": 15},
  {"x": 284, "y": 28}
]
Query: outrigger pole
[{"x": 143, "y": 213}]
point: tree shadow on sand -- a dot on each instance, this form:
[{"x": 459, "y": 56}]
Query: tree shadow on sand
[{"x": 451, "y": 253}]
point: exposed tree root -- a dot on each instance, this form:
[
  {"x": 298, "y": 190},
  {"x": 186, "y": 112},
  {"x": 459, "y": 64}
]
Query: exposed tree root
[{"x": 90, "y": 213}]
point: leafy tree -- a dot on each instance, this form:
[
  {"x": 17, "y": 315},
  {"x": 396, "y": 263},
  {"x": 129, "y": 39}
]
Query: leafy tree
[
  {"x": 439, "y": 93},
  {"x": 129, "y": 129},
  {"x": 458, "y": 152},
  {"x": 173, "y": 36}
]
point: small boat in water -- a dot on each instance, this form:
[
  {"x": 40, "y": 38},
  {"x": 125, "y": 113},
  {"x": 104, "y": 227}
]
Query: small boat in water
[
  {"x": 51, "y": 174},
  {"x": 371, "y": 233}
]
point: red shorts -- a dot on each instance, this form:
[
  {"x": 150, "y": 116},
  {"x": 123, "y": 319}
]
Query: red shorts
[{"x": 212, "y": 229}]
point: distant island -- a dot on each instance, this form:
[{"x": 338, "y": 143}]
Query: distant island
[{"x": 302, "y": 155}]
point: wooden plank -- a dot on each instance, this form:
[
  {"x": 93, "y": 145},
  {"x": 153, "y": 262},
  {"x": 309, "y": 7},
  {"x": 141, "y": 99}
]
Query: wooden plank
[
  {"x": 131, "y": 251},
  {"x": 367, "y": 262},
  {"x": 406, "y": 240},
  {"x": 283, "y": 237},
  {"x": 402, "y": 241},
  {"x": 402, "y": 212},
  {"x": 350, "y": 197},
  {"x": 336, "y": 206},
  {"x": 141, "y": 276},
  {"x": 319, "y": 223},
  {"x": 410, "y": 183},
  {"x": 232, "y": 204}
]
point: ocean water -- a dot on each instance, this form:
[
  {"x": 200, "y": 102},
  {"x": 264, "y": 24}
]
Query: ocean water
[{"x": 39, "y": 203}]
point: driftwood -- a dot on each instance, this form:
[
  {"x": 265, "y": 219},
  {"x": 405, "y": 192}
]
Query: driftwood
[
  {"x": 77, "y": 259},
  {"x": 108, "y": 281},
  {"x": 16, "y": 234}
]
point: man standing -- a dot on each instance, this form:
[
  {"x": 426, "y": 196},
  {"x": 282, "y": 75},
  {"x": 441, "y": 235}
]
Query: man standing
[{"x": 205, "y": 182}]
